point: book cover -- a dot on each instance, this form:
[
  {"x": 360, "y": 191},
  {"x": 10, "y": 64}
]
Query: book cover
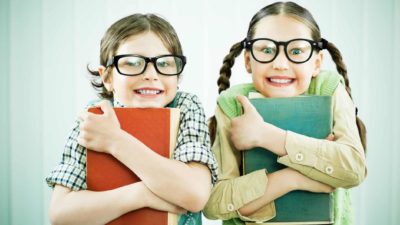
[
  {"x": 307, "y": 115},
  {"x": 157, "y": 128}
]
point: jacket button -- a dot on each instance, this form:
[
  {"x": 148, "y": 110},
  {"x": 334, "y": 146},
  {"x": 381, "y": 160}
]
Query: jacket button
[
  {"x": 329, "y": 169},
  {"x": 230, "y": 207},
  {"x": 299, "y": 157}
]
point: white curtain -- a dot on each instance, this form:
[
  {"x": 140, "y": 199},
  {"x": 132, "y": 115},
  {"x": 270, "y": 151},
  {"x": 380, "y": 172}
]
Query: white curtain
[{"x": 46, "y": 44}]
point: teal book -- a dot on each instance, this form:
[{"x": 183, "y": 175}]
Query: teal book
[{"x": 307, "y": 115}]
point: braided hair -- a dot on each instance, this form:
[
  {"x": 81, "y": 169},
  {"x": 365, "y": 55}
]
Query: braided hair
[{"x": 301, "y": 14}]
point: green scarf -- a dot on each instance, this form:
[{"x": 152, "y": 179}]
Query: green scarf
[{"x": 323, "y": 84}]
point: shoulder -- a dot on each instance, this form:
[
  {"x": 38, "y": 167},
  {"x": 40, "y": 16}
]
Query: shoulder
[
  {"x": 233, "y": 91},
  {"x": 92, "y": 103},
  {"x": 341, "y": 93},
  {"x": 227, "y": 99},
  {"x": 188, "y": 101},
  {"x": 191, "y": 110},
  {"x": 95, "y": 102},
  {"x": 325, "y": 83}
]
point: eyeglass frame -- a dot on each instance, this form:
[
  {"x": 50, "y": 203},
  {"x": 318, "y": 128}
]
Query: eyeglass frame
[
  {"x": 113, "y": 61},
  {"x": 316, "y": 45}
]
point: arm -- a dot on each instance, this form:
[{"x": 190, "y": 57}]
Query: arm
[
  {"x": 339, "y": 163},
  {"x": 72, "y": 204},
  {"x": 280, "y": 183},
  {"x": 187, "y": 185},
  {"x": 89, "y": 207},
  {"x": 192, "y": 179},
  {"x": 249, "y": 197}
]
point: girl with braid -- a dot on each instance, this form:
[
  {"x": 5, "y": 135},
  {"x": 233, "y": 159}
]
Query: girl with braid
[{"x": 283, "y": 54}]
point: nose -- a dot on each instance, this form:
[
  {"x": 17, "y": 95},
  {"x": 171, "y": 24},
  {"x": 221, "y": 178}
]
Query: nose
[
  {"x": 150, "y": 73},
  {"x": 281, "y": 62}
]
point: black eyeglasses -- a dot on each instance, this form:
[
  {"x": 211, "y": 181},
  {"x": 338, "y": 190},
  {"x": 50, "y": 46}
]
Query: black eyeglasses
[
  {"x": 132, "y": 65},
  {"x": 265, "y": 50}
]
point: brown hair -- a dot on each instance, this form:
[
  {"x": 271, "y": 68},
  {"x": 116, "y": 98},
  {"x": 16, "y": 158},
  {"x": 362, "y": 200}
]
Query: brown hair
[
  {"x": 124, "y": 28},
  {"x": 301, "y": 14}
]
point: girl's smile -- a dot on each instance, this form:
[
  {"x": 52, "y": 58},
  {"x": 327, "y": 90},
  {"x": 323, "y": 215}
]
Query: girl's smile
[
  {"x": 280, "y": 81},
  {"x": 148, "y": 92}
]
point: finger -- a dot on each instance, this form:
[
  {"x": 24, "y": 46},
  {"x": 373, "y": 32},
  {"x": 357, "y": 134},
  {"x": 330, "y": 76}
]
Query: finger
[
  {"x": 106, "y": 107},
  {"x": 81, "y": 140},
  {"x": 246, "y": 104},
  {"x": 330, "y": 137},
  {"x": 328, "y": 189},
  {"x": 82, "y": 116},
  {"x": 181, "y": 211}
]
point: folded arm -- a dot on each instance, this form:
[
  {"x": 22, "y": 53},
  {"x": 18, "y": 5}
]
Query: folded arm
[
  {"x": 248, "y": 197},
  {"x": 187, "y": 182},
  {"x": 90, "y": 207}
]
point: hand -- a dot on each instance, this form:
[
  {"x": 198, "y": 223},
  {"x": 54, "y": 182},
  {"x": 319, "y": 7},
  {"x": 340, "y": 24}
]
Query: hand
[
  {"x": 330, "y": 137},
  {"x": 245, "y": 129},
  {"x": 305, "y": 183},
  {"x": 99, "y": 131}
]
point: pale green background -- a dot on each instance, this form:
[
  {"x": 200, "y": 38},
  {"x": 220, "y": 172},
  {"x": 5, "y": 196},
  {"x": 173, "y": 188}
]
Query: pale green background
[{"x": 45, "y": 45}]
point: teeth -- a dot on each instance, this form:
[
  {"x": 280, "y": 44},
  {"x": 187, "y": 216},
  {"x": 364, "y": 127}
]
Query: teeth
[
  {"x": 148, "y": 92},
  {"x": 281, "y": 81}
]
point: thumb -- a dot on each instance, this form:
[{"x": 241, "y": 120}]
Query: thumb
[
  {"x": 106, "y": 107},
  {"x": 246, "y": 104}
]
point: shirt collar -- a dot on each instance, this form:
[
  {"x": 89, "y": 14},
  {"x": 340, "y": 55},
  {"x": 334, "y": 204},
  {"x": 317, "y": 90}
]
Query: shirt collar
[{"x": 118, "y": 104}]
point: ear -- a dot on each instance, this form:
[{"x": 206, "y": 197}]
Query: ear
[
  {"x": 247, "y": 61},
  {"x": 106, "y": 78},
  {"x": 319, "y": 58}
]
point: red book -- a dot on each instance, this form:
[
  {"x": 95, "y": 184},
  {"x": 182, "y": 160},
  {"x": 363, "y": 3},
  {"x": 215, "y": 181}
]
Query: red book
[{"x": 157, "y": 128}]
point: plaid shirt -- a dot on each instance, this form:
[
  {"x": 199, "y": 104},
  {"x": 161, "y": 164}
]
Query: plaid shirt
[{"x": 193, "y": 144}]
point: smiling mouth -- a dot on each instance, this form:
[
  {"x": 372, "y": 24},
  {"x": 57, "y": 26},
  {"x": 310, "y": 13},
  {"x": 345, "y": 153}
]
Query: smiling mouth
[
  {"x": 148, "y": 92},
  {"x": 280, "y": 81}
]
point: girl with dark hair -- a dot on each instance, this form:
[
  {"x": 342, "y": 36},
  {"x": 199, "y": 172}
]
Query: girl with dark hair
[{"x": 283, "y": 53}]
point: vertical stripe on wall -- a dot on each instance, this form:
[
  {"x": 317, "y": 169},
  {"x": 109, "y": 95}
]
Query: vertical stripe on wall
[
  {"x": 378, "y": 107},
  {"x": 395, "y": 154},
  {"x": 26, "y": 106},
  {"x": 4, "y": 113},
  {"x": 58, "y": 85}
]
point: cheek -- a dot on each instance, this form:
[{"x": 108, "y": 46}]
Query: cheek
[
  {"x": 171, "y": 83},
  {"x": 259, "y": 71}
]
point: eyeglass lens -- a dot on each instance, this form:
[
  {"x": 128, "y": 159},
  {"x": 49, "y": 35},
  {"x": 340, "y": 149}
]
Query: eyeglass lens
[
  {"x": 133, "y": 65},
  {"x": 296, "y": 50}
]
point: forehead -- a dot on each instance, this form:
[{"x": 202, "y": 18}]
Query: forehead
[
  {"x": 146, "y": 44},
  {"x": 281, "y": 28}
]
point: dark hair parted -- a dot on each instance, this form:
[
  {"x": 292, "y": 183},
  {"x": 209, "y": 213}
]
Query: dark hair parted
[
  {"x": 302, "y": 15},
  {"x": 124, "y": 28}
]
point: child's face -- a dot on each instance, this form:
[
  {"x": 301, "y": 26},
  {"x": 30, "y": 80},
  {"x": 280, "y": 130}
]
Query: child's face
[
  {"x": 281, "y": 77},
  {"x": 147, "y": 90}
]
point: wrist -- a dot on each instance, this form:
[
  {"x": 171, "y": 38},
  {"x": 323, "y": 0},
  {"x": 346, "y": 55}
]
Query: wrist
[
  {"x": 117, "y": 141},
  {"x": 264, "y": 135},
  {"x": 292, "y": 181},
  {"x": 145, "y": 193},
  {"x": 134, "y": 196},
  {"x": 273, "y": 138}
]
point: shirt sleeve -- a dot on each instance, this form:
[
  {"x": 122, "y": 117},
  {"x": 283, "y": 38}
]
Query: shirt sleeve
[
  {"x": 233, "y": 191},
  {"x": 339, "y": 163},
  {"x": 71, "y": 171},
  {"x": 193, "y": 139}
]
